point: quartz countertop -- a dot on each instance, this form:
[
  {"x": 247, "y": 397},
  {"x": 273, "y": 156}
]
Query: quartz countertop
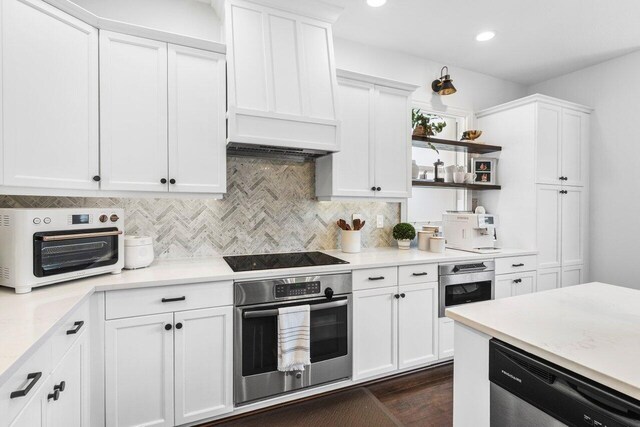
[
  {"x": 27, "y": 320},
  {"x": 591, "y": 329}
]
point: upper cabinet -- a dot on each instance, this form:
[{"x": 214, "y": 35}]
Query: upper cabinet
[
  {"x": 282, "y": 81},
  {"x": 375, "y": 156},
  {"x": 162, "y": 116},
  {"x": 561, "y": 152},
  {"x": 49, "y": 98}
]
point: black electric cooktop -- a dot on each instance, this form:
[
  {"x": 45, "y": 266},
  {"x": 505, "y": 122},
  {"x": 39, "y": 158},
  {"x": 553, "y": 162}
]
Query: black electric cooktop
[{"x": 288, "y": 260}]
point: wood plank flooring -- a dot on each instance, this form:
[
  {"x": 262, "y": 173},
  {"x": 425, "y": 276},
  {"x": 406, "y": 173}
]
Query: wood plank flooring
[{"x": 423, "y": 398}]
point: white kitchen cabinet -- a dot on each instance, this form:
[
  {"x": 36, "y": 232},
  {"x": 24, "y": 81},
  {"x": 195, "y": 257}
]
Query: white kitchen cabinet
[
  {"x": 511, "y": 285},
  {"x": 549, "y": 226},
  {"x": 375, "y": 332},
  {"x": 445, "y": 337},
  {"x": 548, "y": 279},
  {"x": 32, "y": 415},
  {"x": 572, "y": 275},
  {"x": 203, "y": 363},
  {"x": 49, "y": 98},
  {"x": 573, "y": 226},
  {"x": 197, "y": 126},
  {"x": 375, "y": 156},
  {"x": 139, "y": 371},
  {"x": 133, "y": 113},
  {"x": 548, "y": 145},
  {"x": 418, "y": 325},
  {"x": 575, "y": 140},
  {"x": 282, "y": 81}
]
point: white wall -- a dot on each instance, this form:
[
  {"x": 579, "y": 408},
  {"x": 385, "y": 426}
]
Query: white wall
[
  {"x": 186, "y": 17},
  {"x": 612, "y": 88}
]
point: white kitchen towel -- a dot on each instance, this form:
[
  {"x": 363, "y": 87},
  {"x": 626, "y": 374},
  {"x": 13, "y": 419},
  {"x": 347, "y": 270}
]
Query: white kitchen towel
[{"x": 294, "y": 338}]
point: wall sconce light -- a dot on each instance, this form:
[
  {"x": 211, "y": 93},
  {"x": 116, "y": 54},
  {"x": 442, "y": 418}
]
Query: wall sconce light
[{"x": 443, "y": 85}]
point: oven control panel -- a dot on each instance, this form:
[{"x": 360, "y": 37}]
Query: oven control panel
[{"x": 297, "y": 289}]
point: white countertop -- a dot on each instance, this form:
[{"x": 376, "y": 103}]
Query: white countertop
[
  {"x": 28, "y": 319},
  {"x": 591, "y": 329}
]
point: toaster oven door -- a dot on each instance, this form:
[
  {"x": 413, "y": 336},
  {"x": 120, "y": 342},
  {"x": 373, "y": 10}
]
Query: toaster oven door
[{"x": 58, "y": 252}]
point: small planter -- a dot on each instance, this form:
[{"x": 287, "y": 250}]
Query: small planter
[
  {"x": 404, "y": 244},
  {"x": 350, "y": 241}
]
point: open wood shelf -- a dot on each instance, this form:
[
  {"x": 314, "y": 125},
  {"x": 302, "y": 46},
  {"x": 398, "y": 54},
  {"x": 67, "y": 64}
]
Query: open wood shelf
[
  {"x": 423, "y": 183},
  {"x": 450, "y": 145}
]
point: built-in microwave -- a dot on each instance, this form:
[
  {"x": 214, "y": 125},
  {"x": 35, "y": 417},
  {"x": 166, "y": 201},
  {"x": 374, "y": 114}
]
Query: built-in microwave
[{"x": 45, "y": 246}]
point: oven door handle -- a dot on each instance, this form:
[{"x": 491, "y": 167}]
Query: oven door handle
[
  {"x": 78, "y": 236},
  {"x": 274, "y": 312}
]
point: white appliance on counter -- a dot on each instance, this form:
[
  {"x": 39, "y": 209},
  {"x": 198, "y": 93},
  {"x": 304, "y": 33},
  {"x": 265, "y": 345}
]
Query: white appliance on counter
[
  {"x": 470, "y": 232},
  {"x": 45, "y": 246}
]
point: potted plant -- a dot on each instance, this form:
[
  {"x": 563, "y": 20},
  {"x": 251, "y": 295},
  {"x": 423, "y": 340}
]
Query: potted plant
[
  {"x": 404, "y": 233},
  {"x": 426, "y": 125}
]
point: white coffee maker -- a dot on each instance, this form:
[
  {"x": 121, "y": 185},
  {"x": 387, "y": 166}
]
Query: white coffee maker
[{"x": 470, "y": 232}]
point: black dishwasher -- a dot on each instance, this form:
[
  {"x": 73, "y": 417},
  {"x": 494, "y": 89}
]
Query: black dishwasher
[{"x": 528, "y": 391}]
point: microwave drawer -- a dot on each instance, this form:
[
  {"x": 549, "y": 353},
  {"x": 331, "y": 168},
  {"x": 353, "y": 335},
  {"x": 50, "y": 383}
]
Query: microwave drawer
[
  {"x": 516, "y": 264},
  {"x": 419, "y": 273},
  {"x": 166, "y": 299},
  {"x": 371, "y": 278}
]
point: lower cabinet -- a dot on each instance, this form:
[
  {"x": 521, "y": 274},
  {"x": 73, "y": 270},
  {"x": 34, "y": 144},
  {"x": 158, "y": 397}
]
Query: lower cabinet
[
  {"x": 572, "y": 275},
  {"x": 548, "y": 279},
  {"x": 394, "y": 328},
  {"x": 510, "y": 285},
  {"x": 169, "y": 369}
]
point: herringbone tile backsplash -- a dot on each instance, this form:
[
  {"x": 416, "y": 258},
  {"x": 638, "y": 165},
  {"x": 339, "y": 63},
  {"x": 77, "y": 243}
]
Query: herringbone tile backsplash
[{"x": 269, "y": 207}]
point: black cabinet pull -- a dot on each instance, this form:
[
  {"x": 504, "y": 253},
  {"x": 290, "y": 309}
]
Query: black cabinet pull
[
  {"x": 167, "y": 327},
  {"x": 517, "y": 265},
  {"x": 178, "y": 325},
  {"x": 96, "y": 178},
  {"x": 377, "y": 278},
  {"x": 402, "y": 295},
  {"x": 60, "y": 386},
  {"x": 563, "y": 191},
  {"x": 77, "y": 325},
  {"x": 378, "y": 189},
  {"x": 517, "y": 281},
  {"x": 163, "y": 181},
  {"x": 174, "y": 299},
  {"x": 396, "y": 296},
  {"x": 34, "y": 377},
  {"x": 172, "y": 181},
  {"x": 55, "y": 395},
  {"x": 373, "y": 188},
  {"x": 424, "y": 273}
]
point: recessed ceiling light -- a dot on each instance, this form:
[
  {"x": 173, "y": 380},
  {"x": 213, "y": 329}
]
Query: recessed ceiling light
[
  {"x": 485, "y": 35},
  {"x": 376, "y": 3}
]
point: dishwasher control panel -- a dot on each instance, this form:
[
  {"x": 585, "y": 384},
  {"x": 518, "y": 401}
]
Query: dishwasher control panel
[{"x": 297, "y": 289}]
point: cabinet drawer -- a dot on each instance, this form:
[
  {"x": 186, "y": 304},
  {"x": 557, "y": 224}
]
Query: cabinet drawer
[
  {"x": 371, "y": 278},
  {"x": 420, "y": 273},
  {"x": 29, "y": 378},
  {"x": 516, "y": 264},
  {"x": 165, "y": 299},
  {"x": 70, "y": 330}
]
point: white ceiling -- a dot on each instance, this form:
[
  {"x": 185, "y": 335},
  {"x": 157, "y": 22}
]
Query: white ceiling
[{"x": 536, "y": 39}]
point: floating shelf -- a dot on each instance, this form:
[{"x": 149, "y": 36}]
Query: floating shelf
[
  {"x": 450, "y": 145},
  {"x": 423, "y": 183}
]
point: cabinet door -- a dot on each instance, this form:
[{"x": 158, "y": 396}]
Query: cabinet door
[
  {"x": 203, "y": 363},
  {"x": 572, "y": 275},
  {"x": 575, "y": 128},
  {"x": 32, "y": 415},
  {"x": 548, "y": 151},
  {"x": 375, "y": 332},
  {"x": 139, "y": 371},
  {"x": 391, "y": 143},
  {"x": 133, "y": 113},
  {"x": 418, "y": 316},
  {"x": 573, "y": 226},
  {"x": 49, "y": 97},
  {"x": 511, "y": 285},
  {"x": 548, "y": 227},
  {"x": 548, "y": 279},
  {"x": 353, "y": 165},
  {"x": 197, "y": 145},
  {"x": 71, "y": 377}
]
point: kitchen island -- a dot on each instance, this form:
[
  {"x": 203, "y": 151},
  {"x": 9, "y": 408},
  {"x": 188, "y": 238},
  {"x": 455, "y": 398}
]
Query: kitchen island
[{"x": 592, "y": 330}]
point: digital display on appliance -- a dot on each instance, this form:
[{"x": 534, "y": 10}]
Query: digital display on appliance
[{"x": 80, "y": 219}]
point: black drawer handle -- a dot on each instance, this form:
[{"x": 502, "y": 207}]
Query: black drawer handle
[
  {"x": 424, "y": 273},
  {"x": 173, "y": 299},
  {"x": 34, "y": 377},
  {"x": 397, "y": 296},
  {"x": 377, "y": 278},
  {"x": 77, "y": 325},
  {"x": 402, "y": 295},
  {"x": 517, "y": 281},
  {"x": 517, "y": 265}
]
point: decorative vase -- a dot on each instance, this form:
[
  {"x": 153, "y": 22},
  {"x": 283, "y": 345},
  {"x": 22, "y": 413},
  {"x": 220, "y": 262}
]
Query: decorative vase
[
  {"x": 404, "y": 243},
  {"x": 350, "y": 241}
]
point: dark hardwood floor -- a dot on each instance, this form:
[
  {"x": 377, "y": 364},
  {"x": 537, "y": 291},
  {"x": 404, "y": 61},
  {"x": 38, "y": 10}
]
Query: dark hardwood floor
[{"x": 423, "y": 398}]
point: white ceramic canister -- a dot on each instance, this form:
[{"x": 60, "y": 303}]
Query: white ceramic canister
[
  {"x": 423, "y": 240},
  {"x": 350, "y": 241},
  {"x": 138, "y": 252},
  {"x": 436, "y": 244}
]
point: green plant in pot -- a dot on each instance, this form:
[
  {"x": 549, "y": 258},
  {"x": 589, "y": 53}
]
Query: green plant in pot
[
  {"x": 426, "y": 124},
  {"x": 404, "y": 233}
]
